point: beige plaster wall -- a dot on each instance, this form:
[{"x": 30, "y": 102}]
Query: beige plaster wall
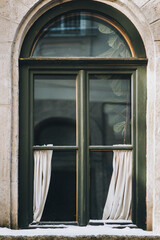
[{"x": 16, "y": 16}]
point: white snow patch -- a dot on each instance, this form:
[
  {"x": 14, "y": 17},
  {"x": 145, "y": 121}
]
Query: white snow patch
[{"x": 73, "y": 231}]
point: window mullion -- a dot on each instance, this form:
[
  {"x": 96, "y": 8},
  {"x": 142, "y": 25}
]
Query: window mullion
[{"x": 83, "y": 153}]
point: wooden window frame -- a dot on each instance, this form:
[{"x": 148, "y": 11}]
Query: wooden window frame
[{"x": 137, "y": 69}]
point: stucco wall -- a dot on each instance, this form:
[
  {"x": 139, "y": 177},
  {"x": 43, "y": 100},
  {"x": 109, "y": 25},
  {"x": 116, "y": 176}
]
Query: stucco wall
[{"x": 16, "y": 16}]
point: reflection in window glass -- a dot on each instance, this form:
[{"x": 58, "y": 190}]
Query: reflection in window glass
[
  {"x": 81, "y": 34},
  {"x": 100, "y": 177},
  {"x": 55, "y": 109},
  {"x": 61, "y": 199},
  {"x": 110, "y": 109}
]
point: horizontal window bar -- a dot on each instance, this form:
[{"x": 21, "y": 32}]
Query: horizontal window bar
[
  {"x": 92, "y": 148},
  {"x": 87, "y": 60},
  {"x": 108, "y": 148},
  {"x": 62, "y": 148}
]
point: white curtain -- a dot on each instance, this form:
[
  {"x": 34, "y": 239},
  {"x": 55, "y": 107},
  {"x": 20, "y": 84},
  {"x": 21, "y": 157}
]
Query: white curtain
[
  {"x": 119, "y": 199},
  {"x": 42, "y": 175}
]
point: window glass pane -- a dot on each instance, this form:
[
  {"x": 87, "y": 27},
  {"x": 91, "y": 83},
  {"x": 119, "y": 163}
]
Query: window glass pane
[
  {"x": 55, "y": 109},
  {"x": 110, "y": 109},
  {"x": 81, "y": 34},
  {"x": 61, "y": 199},
  {"x": 100, "y": 176}
]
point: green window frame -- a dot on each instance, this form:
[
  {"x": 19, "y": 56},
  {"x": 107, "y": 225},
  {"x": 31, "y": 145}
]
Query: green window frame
[
  {"x": 135, "y": 67},
  {"x": 31, "y": 67}
]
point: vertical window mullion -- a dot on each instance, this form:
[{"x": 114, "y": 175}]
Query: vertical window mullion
[
  {"x": 133, "y": 119},
  {"x": 31, "y": 160},
  {"x": 83, "y": 152}
]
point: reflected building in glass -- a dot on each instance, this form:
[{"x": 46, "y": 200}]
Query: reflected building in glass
[{"x": 81, "y": 34}]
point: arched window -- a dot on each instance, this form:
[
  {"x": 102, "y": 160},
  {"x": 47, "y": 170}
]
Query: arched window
[
  {"x": 82, "y": 34},
  {"x": 82, "y": 96}
]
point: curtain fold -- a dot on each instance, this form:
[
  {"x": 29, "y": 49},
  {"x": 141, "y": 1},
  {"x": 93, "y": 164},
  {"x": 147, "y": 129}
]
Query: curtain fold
[
  {"x": 119, "y": 198},
  {"x": 42, "y": 176}
]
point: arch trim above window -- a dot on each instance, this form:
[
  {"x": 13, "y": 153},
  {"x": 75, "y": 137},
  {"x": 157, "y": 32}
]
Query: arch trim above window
[{"x": 113, "y": 16}]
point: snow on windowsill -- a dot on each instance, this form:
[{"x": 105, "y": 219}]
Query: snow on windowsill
[{"x": 74, "y": 231}]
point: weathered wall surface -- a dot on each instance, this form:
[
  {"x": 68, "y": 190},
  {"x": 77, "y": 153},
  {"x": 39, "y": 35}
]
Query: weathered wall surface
[
  {"x": 16, "y": 16},
  {"x": 11, "y": 14}
]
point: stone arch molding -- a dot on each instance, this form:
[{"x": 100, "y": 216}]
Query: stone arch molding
[
  {"x": 36, "y": 9},
  {"x": 128, "y": 8}
]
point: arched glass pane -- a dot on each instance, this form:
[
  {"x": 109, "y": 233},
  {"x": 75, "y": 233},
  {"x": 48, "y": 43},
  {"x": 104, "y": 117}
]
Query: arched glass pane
[{"x": 81, "y": 34}]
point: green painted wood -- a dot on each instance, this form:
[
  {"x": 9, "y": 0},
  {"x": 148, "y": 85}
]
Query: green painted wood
[
  {"x": 83, "y": 153},
  {"x": 108, "y": 148},
  {"x": 141, "y": 148},
  {"x": 30, "y": 144},
  {"x": 59, "y": 148},
  {"x": 138, "y": 145},
  {"x": 92, "y": 148},
  {"x": 133, "y": 141},
  {"x": 23, "y": 207},
  {"x": 82, "y": 61}
]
